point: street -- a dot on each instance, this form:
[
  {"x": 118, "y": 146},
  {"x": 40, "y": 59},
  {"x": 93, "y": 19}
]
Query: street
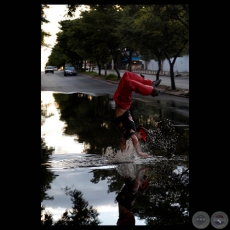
[{"x": 81, "y": 83}]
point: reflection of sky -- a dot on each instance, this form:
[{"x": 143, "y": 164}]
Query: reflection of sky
[
  {"x": 95, "y": 194},
  {"x": 52, "y": 129}
]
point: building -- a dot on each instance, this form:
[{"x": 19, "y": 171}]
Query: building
[{"x": 181, "y": 65}]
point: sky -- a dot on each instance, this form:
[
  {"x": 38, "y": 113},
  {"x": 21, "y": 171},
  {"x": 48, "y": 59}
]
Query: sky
[{"x": 54, "y": 14}]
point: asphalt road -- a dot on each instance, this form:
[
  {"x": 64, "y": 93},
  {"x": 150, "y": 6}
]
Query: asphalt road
[
  {"x": 81, "y": 83},
  {"x": 57, "y": 82}
]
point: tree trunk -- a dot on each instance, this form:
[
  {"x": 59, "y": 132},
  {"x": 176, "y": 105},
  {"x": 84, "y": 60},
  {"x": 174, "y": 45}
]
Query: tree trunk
[
  {"x": 85, "y": 66},
  {"x": 105, "y": 65},
  {"x": 172, "y": 77},
  {"x": 171, "y": 64},
  {"x": 117, "y": 71},
  {"x": 159, "y": 69},
  {"x": 99, "y": 69},
  {"x": 130, "y": 61}
]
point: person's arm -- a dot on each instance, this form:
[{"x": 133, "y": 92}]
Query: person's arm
[
  {"x": 123, "y": 144},
  {"x": 136, "y": 181},
  {"x": 137, "y": 147}
]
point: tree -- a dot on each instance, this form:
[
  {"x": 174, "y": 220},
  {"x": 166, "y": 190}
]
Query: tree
[
  {"x": 107, "y": 19},
  {"x": 65, "y": 42},
  {"x": 163, "y": 34},
  {"x": 47, "y": 177},
  {"x": 44, "y": 20},
  {"x": 129, "y": 33},
  {"x": 103, "y": 31},
  {"x": 57, "y": 57},
  {"x": 82, "y": 213},
  {"x": 87, "y": 38},
  {"x": 104, "y": 35}
]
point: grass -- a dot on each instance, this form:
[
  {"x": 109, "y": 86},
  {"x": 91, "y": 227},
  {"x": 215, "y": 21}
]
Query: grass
[
  {"x": 92, "y": 74},
  {"x": 112, "y": 77}
]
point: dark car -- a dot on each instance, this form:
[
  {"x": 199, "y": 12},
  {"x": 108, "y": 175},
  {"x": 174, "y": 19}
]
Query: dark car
[
  {"x": 70, "y": 71},
  {"x": 49, "y": 69}
]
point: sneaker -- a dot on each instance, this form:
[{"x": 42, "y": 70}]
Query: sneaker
[
  {"x": 155, "y": 93},
  {"x": 156, "y": 83},
  {"x": 142, "y": 75}
]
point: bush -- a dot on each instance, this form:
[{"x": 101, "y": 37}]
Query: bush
[{"x": 111, "y": 76}]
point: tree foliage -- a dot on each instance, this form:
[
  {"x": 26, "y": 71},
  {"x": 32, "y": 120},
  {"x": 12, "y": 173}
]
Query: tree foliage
[
  {"x": 44, "y": 20},
  {"x": 82, "y": 214},
  {"x": 104, "y": 31}
]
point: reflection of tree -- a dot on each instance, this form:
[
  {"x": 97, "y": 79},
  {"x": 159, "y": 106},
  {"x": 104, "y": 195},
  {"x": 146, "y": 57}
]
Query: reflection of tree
[
  {"x": 163, "y": 139},
  {"x": 144, "y": 114},
  {"x": 149, "y": 115},
  {"x": 81, "y": 215},
  {"x": 46, "y": 178},
  {"x": 183, "y": 141},
  {"x": 44, "y": 114},
  {"x": 114, "y": 180},
  {"x": 166, "y": 202},
  {"x": 168, "y": 197},
  {"x": 166, "y": 140},
  {"x": 90, "y": 118}
]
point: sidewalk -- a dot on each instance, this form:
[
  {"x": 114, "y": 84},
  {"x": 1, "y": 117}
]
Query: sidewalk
[{"x": 181, "y": 82}]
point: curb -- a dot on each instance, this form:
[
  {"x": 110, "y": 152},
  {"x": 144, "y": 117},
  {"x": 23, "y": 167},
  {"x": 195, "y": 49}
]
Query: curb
[
  {"x": 164, "y": 92},
  {"x": 115, "y": 82}
]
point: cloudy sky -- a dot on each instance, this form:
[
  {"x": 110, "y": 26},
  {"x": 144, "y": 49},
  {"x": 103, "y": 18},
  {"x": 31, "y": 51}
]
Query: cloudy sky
[{"x": 95, "y": 194}]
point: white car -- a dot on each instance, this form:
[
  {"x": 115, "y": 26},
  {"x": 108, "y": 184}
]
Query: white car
[
  {"x": 55, "y": 68},
  {"x": 49, "y": 69}
]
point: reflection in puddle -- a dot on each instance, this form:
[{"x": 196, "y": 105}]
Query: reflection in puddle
[
  {"x": 53, "y": 129},
  {"x": 83, "y": 124},
  {"x": 98, "y": 161},
  {"x": 80, "y": 130}
]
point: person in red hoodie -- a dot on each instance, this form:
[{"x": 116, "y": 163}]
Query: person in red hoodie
[
  {"x": 127, "y": 197},
  {"x": 131, "y": 82}
]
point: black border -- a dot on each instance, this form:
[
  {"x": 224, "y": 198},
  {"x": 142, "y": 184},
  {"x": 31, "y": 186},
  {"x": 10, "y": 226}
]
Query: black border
[{"x": 209, "y": 189}]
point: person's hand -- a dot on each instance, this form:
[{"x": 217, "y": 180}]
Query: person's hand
[{"x": 145, "y": 155}]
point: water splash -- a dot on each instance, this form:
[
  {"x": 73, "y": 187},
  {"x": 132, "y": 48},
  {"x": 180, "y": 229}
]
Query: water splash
[
  {"x": 161, "y": 146},
  {"x": 161, "y": 140},
  {"x": 117, "y": 156},
  {"x": 99, "y": 161}
]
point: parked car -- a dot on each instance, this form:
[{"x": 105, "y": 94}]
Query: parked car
[
  {"x": 84, "y": 69},
  {"x": 70, "y": 70},
  {"x": 49, "y": 69},
  {"x": 55, "y": 68}
]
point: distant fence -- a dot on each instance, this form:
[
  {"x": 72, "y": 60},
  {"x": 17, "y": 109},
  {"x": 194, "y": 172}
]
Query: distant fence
[
  {"x": 154, "y": 72},
  {"x": 144, "y": 71}
]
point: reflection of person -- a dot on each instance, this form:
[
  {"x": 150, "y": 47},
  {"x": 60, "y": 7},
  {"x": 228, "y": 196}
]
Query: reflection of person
[
  {"x": 127, "y": 196},
  {"x": 131, "y": 82}
]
